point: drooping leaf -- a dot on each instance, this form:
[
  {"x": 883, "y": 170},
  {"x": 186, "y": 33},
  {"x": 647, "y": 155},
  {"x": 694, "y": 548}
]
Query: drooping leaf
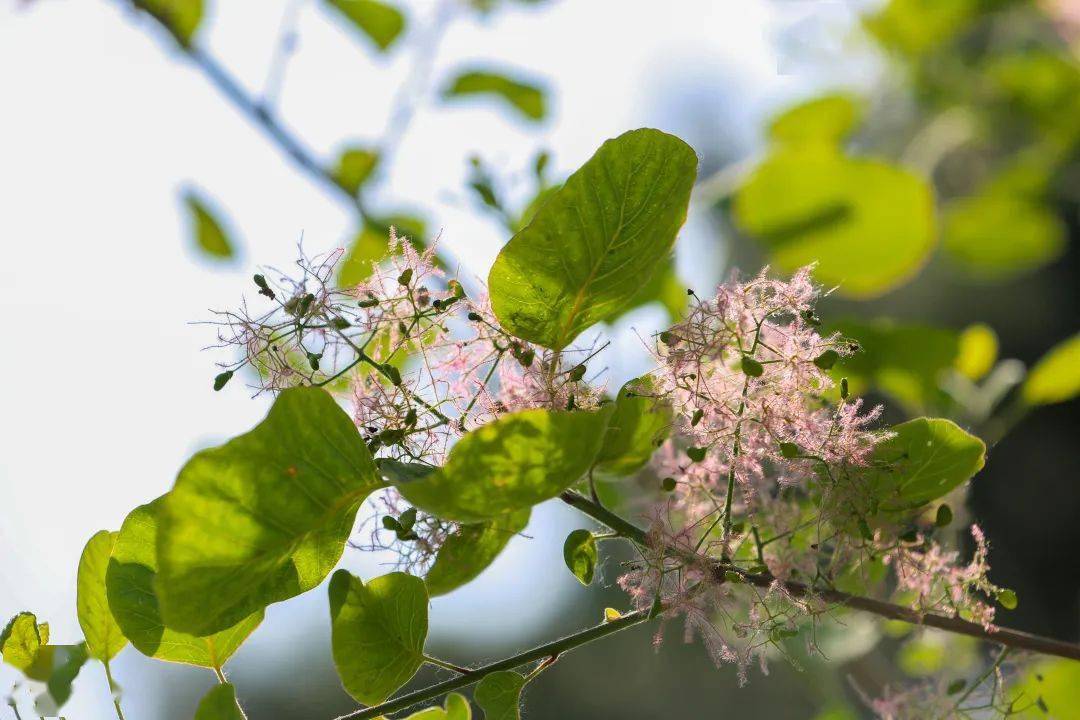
[
  {"x": 906, "y": 361},
  {"x": 103, "y": 636},
  {"x": 637, "y": 427},
  {"x": 924, "y": 460},
  {"x": 996, "y": 237},
  {"x": 499, "y": 695},
  {"x": 133, "y": 599},
  {"x": 827, "y": 119},
  {"x": 378, "y": 631},
  {"x": 180, "y": 17},
  {"x": 470, "y": 550},
  {"x": 868, "y": 225},
  {"x": 977, "y": 350},
  {"x": 262, "y": 518},
  {"x": 207, "y": 230},
  {"x": 1056, "y": 377},
  {"x": 524, "y": 96},
  {"x": 579, "y": 553},
  {"x": 354, "y": 166},
  {"x": 67, "y": 661},
  {"x": 596, "y": 241},
  {"x": 21, "y": 641},
  {"x": 371, "y": 242},
  {"x": 220, "y": 704},
  {"x": 510, "y": 464},
  {"x": 379, "y": 21}
]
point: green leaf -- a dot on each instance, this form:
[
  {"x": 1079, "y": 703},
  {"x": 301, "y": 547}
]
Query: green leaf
[
  {"x": 499, "y": 695},
  {"x": 180, "y": 17},
  {"x": 525, "y": 97},
  {"x": 371, "y": 242},
  {"x": 354, "y": 167},
  {"x": 510, "y": 464},
  {"x": 103, "y": 636},
  {"x": 21, "y": 641},
  {"x": 997, "y": 237},
  {"x": 381, "y": 22},
  {"x": 67, "y": 661},
  {"x": 905, "y": 361},
  {"x": 262, "y": 518},
  {"x": 207, "y": 230},
  {"x": 220, "y": 704},
  {"x": 595, "y": 243},
  {"x": 133, "y": 599},
  {"x": 913, "y": 27},
  {"x": 637, "y": 427},
  {"x": 868, "y": 225},
  {"x": 456, "y": 707},
  {"x": 827, "y": 119},
  {"x": 1055, "y": 682},
  {"x": 378, "y": 632},
  {"x": 924, "y": 460},
  {"x": 579, "y": 553},
  {"x": 1056, "y": 377},
  {"x": 664, "y": 288},
  {"x": 469, "y": 551},
  {"x": 977, "y": 351}
]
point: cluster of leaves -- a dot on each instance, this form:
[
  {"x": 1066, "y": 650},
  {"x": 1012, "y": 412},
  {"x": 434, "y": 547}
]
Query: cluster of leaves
[{"x": 267, "y": 516}]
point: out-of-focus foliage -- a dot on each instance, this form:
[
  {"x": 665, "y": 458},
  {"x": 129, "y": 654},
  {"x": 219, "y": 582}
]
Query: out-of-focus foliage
[
  {"x": 378, "y": 21},
  {"x": 180, "y": 17},
  {"x": 526, "y": 97},
  {"x": 1056, "y": 377}
]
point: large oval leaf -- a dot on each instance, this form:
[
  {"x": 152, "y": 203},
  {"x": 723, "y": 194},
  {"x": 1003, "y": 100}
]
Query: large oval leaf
[
  {"x": 924, "y": 460},
  {"x": 262, "y": 518},
  {"x": 1056, "y": 377},
  {"x": 510, "y": 464},
  {"x": 469, "y": 551},
  {"x": 596, "y": 241},
  {"x": 104, "y": 638},
  {"x": 134, "y": 603},
  {"x": 869, "y": 226},
  {"x": 378, "y": 631}
]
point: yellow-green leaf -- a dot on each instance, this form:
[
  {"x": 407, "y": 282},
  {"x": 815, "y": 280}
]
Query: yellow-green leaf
[
  {"x": 579, "y": 553},
  {"x": 180, "y": 17},
  {"x": 262, "y": 518},
  {"x": 469, "y": 551},
  {"x": 378, "y": 631},
  {"x": 21, "y": 641},
  {"x": 596, "y": 241},
  {"x": 499, "y": 695},
  {"x": 220, "y": 704},
  {"x": 1056, "y": 377},
  {"x": 379, "y": 21},
  {"x": 354, "y": 166},
  {"x": 977, "y": 352},
  {"x": 133, "y": 599},
  {"x": 104, "y": 638},
  {"x": 995, "y": 237},
  {"x": 638, "y": 426},
  {"x": 207, "y": 230},
  {"x": 827, "y": 119},
  {"x": 925, "y": 459},
  {"x": 525, "y": 97}
]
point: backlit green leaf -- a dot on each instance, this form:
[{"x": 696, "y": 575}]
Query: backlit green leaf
[
  {"x": 67, "y": 661},
  {"x": 510, "y": 464},
  {"x": 924, "y": 460},
  {"x": 378, "y": 632},
  {"x": 826, "y": 119},
  {"x": 103, "y": 636},
  {"x": 469, "y": 551},
  {"x": 499, "y": 695},
  {"x": 996, "y": 237},
  {"x": 381, "y": 22},
  {"x": 868, "y": 225},
  {"x": 594, "y": 243},
  {"x": 207, "y": 230},
  {"x": 354, "y": 167},
  {"x": 133, "y": 599},
  {"x": 1056, "y": 682},
  {"x": 579, "y": 553},
  {"x": 371, "y": 244},
  {"x": 456, "y": 707},
  {"x": 21, "y": 641},
  {"x": 525, "y": 97},
  {"x": 913, "y": 27},
  {"x": 180, "y": 17},
  {"x": 977, "y": 350},
  {"x": 220, "y": 704},
  {"x": 637, "y": 427},
  {"x": 1056, "y": 377},
  {"x": 664, "y": 288},
  {"x": 262, "y": 518}
]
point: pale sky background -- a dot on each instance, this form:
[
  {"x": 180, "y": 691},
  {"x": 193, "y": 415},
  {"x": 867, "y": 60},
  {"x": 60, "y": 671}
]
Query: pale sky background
[{"x": 106, "y": 392}]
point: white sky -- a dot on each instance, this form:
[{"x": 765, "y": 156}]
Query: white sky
[{"x": 105, "y": 392}]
